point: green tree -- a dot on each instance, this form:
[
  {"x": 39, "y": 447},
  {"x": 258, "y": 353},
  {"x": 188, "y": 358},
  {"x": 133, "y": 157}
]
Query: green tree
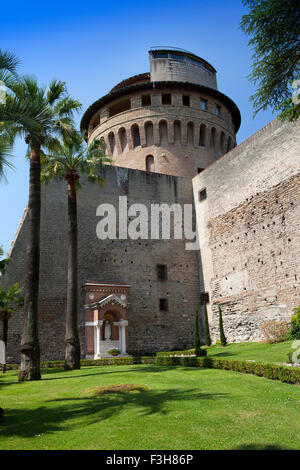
[
  {"x": 273, "y": 27},
  {"x": 206, "y": 326},
  {"x": 197, "y": 343},
  {"x": 68, "y": 161},
  {"x": 222, "y": 335},
  {"x": 40, "y": 115},
  {"x": 10, "y": 301}
]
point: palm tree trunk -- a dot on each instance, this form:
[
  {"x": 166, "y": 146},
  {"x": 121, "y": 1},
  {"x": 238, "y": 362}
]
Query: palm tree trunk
[
  {"x": 72, "y": 345},
  {"x": 5, "y": 335},
  {"x": 30, "y": 350}
]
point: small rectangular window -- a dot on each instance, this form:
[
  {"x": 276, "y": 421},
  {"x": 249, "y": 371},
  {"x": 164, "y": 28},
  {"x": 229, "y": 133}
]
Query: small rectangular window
[
  {"x": 202, "y": 194},
  {"x": 146, "y": 100},
  {"x": 159, "y": 55},
  {"x": 203, "y": 104},
  {"x": 204, "y": 297},
  {"x": 162, "y": 272},
  {"x": 163, "y": 305},
  {"x": 218, "y": 110},
  {"x": 166, "y": 99},
  {"x": 96, "y": 122},
  {"x": 186, "y": 100},
  {"x": 177, "y": 57},
  {"x": 119, "y": 107}
]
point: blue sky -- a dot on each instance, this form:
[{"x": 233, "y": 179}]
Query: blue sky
[{"x": 93, "y": 45}]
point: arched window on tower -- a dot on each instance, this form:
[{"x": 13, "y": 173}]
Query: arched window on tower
[
  {"x": 163, "y": 133},
  {"x": 212, "y": 145},
  {"x": 202, "y": 135},
  {"x": 149, "y": 133},
  {"x": 222, "y": 142},
  {"x": 149, "y": 163},
  {"x": 95, "y": 121},
  {"x": 135, "y": 132},
  {"x": 112, "y": 143},
  {"x": 123, "y": 138},
  {"x": 177, "y": 132},
  {"x": 190, "y": 133}
]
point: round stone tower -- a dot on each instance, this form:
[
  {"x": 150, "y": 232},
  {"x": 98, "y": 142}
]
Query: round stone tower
[{"x": 172, "y": 120}]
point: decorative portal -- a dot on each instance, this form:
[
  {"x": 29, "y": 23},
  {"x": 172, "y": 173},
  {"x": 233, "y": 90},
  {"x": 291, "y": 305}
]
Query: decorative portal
[{"x": 106, "y": 319}]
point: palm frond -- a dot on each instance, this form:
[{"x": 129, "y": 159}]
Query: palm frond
[
  {"x": 8, "y": 78},
  {"x": 5, "y": 155},
  {"x": 57, "y": 89},
  {"x": 67, "y": 106},
  {"x": 8, "y": 61}
]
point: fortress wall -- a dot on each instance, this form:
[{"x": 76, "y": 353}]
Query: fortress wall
[
  {"x": 249, "y": 230},
  {"x": 130, "y": 262}
]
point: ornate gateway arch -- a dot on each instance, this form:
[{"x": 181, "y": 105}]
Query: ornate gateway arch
[{"x": 106, "y": 319}]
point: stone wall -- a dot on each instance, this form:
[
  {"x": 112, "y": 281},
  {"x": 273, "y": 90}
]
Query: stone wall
[
  {"x": 249, "y": 230},
  {"x": 131, "y": 262}
]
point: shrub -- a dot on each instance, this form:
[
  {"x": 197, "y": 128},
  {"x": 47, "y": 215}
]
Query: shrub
[
  {"x": 109, "y": 361},
  {"x": 206, "y": 326},
  {"x": 197, "y": 344},
  {"x": 114, "y": 352},
  {"x": 200, "y": 352},
  {"x": 186, "y": 352},
  {"x": 294, "y": 332},
  {"x": 289, "y": 357},
  {"x": 286, "y": 374},
  {"x": 275, "y": 331},
  {"x": 222, "y": 335}
]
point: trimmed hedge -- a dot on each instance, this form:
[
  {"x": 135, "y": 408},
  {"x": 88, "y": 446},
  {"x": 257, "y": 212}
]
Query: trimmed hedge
[
  {"x": 187, "y": 352},
  {"x": 285, "y": 374},
  {"x": 114, "y": 361}
]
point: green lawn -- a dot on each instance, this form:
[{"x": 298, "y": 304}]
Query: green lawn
[
  {"x": 262, "y": 352},
  {"x": 184, "y": 408}
]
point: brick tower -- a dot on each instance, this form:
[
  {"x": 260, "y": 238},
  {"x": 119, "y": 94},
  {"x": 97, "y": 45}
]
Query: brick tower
[{"x": 172, "y": 120}]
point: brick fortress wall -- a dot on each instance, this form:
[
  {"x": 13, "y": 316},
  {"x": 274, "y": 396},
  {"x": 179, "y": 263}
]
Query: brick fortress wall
[{"x": 132, "y": 262}]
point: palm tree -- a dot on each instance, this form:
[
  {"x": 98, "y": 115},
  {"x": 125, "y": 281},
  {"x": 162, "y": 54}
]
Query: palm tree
[
  {"x": 10, "y": 300},
  {"x": 3, "y": 261},
  {"x": 40, "y": 115},
  {"x": 69, "y": 160},
  {"x": 8, "y": 77},
  {"x": 8, "y": 67}
]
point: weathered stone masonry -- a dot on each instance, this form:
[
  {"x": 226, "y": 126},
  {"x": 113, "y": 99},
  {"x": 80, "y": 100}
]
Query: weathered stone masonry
[{"x": 250, "y": 231}]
